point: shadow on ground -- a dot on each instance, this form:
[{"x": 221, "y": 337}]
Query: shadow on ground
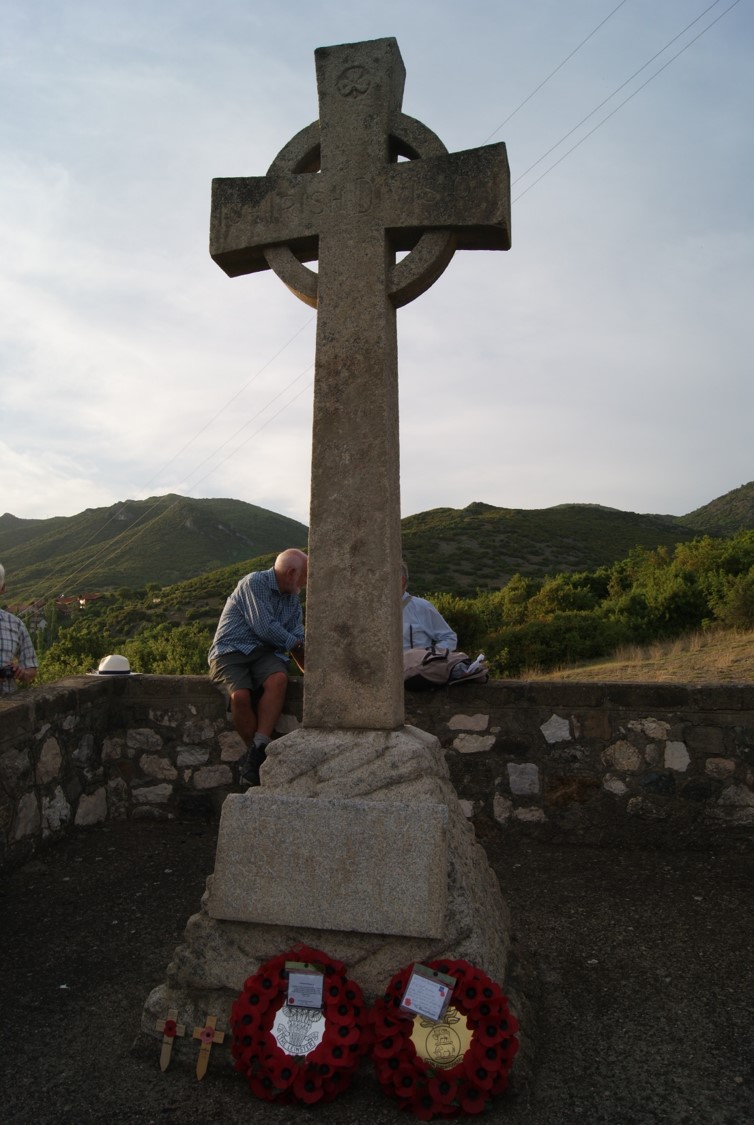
[{"x": 645, "y": 962}]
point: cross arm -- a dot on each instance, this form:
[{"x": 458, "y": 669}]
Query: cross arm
[
  {"x": 468, "y": 192},
  {"x": 249, "y": 213}
]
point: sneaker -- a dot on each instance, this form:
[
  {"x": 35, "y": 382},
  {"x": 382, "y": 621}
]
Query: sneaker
[{"x": 249, "y": 765}]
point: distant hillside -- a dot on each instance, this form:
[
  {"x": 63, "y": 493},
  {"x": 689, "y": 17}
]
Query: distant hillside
[
  {"x": 163, "y": 539},
  {"x": 175, "y": 539},
  {"x": 482, "y": 547},
  {"x": 725, "y": 516}
]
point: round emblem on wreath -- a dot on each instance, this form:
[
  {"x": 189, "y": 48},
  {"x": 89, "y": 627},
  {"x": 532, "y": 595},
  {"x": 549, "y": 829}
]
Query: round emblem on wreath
[
  {"x": 291, "y": 1053},
  {"x": 451, "y": 1067}
]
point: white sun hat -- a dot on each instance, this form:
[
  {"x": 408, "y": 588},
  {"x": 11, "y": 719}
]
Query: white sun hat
[{"x": 114, "y": 665}]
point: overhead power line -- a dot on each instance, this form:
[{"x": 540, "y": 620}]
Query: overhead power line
[
  {"x": 227, "y": 403},
  {"x": 253, "y": 418},
  {"x": 633, "y": 94},
  {"x": 552, "y": 73}
]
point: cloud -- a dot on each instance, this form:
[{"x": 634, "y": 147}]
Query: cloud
[{"x": 593, "y": 361}]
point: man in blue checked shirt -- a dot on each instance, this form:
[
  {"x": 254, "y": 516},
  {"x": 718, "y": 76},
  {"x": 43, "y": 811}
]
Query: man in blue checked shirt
[
  {"x": 18, "y": 661},
  {"x": 260, "y": 625}
]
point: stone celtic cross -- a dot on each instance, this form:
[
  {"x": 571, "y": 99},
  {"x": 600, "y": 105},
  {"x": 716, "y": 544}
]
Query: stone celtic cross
[{"x": 352, "y": 191}]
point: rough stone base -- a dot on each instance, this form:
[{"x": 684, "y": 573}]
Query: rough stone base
[{"x": 406, "y": 766}]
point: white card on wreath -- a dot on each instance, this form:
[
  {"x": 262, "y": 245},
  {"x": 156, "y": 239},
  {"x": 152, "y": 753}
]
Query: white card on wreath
[
  {"x": 305, "y": 985},
  {"x": 427, "y": 993}
]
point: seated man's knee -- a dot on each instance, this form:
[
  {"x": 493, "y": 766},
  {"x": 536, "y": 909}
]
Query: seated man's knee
[
  {"x": 241, "y": 699},
  {"x": 276, "y": 682}
]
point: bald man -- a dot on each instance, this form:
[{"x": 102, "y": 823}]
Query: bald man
[{"x": 260, "y": 625}]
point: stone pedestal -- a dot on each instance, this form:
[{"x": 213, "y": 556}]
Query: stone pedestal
[{"x": 356, "y": 844}]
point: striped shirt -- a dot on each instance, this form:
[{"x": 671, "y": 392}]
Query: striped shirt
[
  {"x": 15, "y": 648},
  {"x": 256, "y": 614}
]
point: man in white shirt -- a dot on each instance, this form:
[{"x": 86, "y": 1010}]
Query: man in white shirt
[{"x": 423, "y": 625}]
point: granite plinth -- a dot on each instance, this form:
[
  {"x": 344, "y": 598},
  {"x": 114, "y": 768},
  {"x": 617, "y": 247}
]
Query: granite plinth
[{"x": 373, "y": 867}]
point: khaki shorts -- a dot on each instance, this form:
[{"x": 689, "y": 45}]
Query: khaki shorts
[{"x": 241, "y": 671}]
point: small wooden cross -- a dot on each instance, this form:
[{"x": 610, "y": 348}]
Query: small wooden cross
[
  {"x": 208, "y": 1036},
  {"x": 169, "y": 1028}
]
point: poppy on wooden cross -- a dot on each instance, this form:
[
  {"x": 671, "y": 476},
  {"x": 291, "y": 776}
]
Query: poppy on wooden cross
[
  {"x": 169, "y": 1028},
  {"x": 208, "y": 1035}
]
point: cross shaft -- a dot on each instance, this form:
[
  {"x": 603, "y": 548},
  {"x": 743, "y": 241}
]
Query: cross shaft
[{"x": 337, "y": 193}]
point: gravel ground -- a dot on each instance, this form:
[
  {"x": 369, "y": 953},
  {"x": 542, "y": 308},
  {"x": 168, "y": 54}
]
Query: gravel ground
[{"x": 644, "y": 961}]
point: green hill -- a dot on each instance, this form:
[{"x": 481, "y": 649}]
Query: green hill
[
  {"x": 482, "y": 547},
  {"x": 725, "y": 516},
  {"x": 160, "y": 540},
  {"x": 169, "y": 540}
]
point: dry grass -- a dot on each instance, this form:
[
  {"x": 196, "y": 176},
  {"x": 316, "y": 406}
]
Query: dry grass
[{"x": 713, "y": 657}]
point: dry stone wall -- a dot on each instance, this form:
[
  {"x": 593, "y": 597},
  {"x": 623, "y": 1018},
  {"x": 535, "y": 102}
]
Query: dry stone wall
[
  {"x": 647, "y": 764},
  {"x": 652, "y": 765}
]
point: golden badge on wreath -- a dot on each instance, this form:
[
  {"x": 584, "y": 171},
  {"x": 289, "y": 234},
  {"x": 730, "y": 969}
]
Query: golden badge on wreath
[{"x": 442, "y": 1044}]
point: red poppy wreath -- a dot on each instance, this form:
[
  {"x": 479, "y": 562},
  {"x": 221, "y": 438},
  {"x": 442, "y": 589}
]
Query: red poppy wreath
[
  {"x": 289, "y": 1053},
  {"x": 451, "y": 1067}
]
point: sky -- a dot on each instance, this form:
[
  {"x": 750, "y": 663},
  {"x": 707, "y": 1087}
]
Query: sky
[{"x": 606, "y": 358}]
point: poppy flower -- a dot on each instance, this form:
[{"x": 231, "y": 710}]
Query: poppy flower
[
  {"x": 397, "y": 987},
  {"x": 334, "y": 1083},
  {"x": 384, "y": 1073},
  {"x": 272, "y": 1051},
  {"x": 423, "y": 1106},
  {"x": 387, "y": 1045},
  {"x": 388, "y": 1066},
  {"x": 385, "y": 1023},
  {"x": 333, "y": 1053},
  {"x": 247, "y": 1048},
  {"x": 492, "y": 992},
  {"x": 442, "y": 1088},
  {"x": 473, "y": 1099},
  {"x": 488, "y": 1033},
  {"x": 249, "y": 1020},
  {"x": 478, "y": 1072},
  {"x": 332, "y": 991},
  {"x": 451, "y": 966},
  {"x": 268, "y": 984},
  {"x": 509, "y": 1047},
  {"x": 342, "y": 1014},
  {"x": 404, "y": 1081},
  {"x": 346, "y": 1034},
  {"x": 489, "y": 1054},
  {"x": 483, "y": 1010},
  {"x": 263, "y": 1087},
  {"x": 469, "y": 994},
  {"x": 308, "y": 1086},
  {"x": 255, "y": 1002},
  {"x": 281, "y": 1068}
]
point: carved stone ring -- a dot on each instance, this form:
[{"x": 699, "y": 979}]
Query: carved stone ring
[{"x": 408, "y": 278}]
